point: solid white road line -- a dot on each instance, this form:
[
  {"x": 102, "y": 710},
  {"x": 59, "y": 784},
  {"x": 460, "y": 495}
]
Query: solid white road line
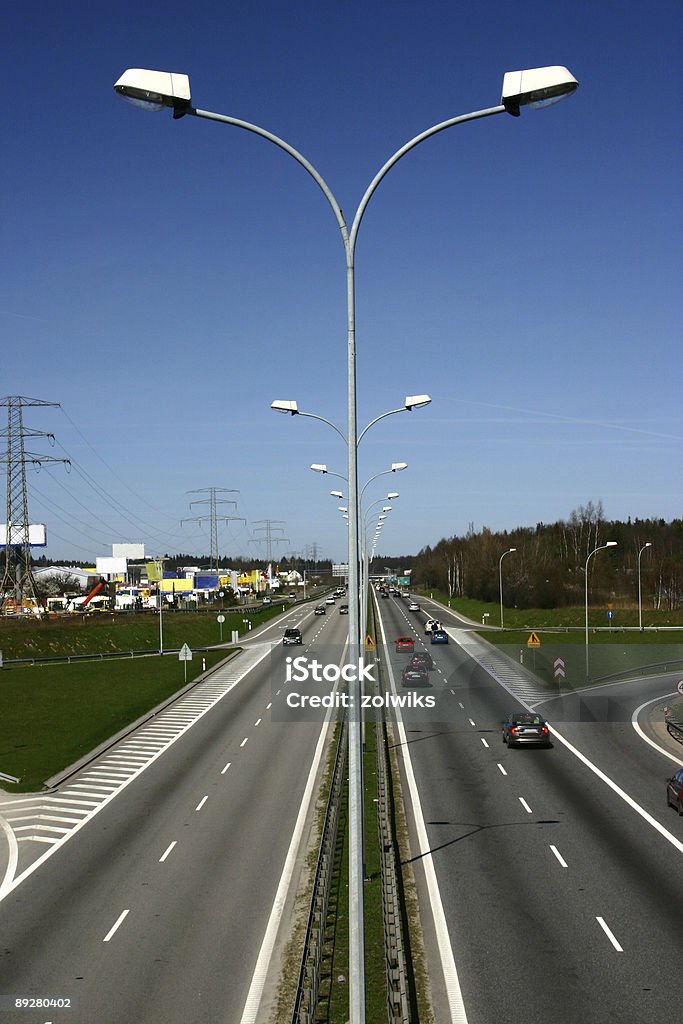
[
  {"x": 636, "y": 726},
  {"x": 609, "y": 933},
  {"x": 166, "y": 853},
  {"x": 559, "y": 856},
  {"x": 119, "y": 921},
  {"x": 458, "y": 1014}
]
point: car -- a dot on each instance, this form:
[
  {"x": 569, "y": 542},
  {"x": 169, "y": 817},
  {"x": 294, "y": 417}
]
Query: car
[
  {"x": 343, "y": 609},
  {"x": 292, "y": 636},
  {"x": 674, "y": 791},
  {"x": 384, "y": 594},
  {"x": 413, "y": 675},
  {"x": 319, "y": 609},
  {"x": 413, "y": 606},
  {"x": 422, "y": 659},
  {"x": 293, "y": 596},
  {"x": 405, "y": 643},
  {"x": 439, "y": 636},
  {"x": 431, "y": 624},
  {"x": 330, "y": 600},
  {"x": 524, "y": 728}
]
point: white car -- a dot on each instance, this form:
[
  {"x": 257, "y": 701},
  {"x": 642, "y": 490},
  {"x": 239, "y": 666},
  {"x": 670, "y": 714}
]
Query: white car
[
  {"x": 413, "y": 606},
  {"x": 431, "y": 624},
  {"x": 330, "y": 600}
]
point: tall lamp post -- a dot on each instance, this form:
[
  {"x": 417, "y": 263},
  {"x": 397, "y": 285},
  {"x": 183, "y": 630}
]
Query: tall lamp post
[
  {"x": 500, "y": 580},
  {"x": 601, "y": 547},
  {"x": 158, "y": 89},
  {"x": 640, "y": 592}
]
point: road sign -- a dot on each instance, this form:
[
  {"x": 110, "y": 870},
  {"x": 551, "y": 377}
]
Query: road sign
[
  {"x": 533, "y": 641},
  {"x": 680, "y": 686},
  {"x": 340, "y": 570},
  {"x": 184, "y": 654},
  {"x": 558, "y": 668},
  {"x": 369, "y": 642},
  {"x": 220, "y": 618},
  {"x": 610, "y": 614}
]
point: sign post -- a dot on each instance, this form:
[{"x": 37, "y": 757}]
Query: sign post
[{"x": 185, "y": 655}]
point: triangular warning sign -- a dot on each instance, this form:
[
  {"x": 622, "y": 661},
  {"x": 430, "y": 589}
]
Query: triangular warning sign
[
  {"x": 533, "y": 641},
  {"x": 369, "y": 642}
]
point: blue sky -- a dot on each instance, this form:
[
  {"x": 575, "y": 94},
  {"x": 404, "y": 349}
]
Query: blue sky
[{"x": 165, "y": 281}]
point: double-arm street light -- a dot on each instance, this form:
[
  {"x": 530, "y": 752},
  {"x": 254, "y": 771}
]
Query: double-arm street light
[
  {"x": 158, "y": 89},
  {"x": 601, "y": 547},
  {"x": 500, "y": 581}
]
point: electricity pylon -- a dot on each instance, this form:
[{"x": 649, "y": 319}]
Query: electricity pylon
[
  {"x": 213, "y": 517},
  {"x": 17, "y": 578},
  {"x": 269, "y": 538}
]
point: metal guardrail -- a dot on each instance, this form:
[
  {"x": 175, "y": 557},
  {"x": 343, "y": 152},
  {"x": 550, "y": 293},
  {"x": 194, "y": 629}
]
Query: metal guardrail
[
  {"x": 311, "y": 960},
  {"x": 102, "y": 656},
  {"x": 398, "y": 996}
]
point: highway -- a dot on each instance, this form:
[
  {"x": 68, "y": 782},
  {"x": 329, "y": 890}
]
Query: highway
[
  {"x": 151, "y": 899},
  {"x": 549, "y": 884}
]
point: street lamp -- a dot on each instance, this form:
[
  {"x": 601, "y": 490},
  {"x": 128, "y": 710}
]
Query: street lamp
[
  {"x": 500, "y": 581},
  {"x": 158, "y": 89},
  {"x": 601, "y": 547},
  {"x": 640, "y": 593}
]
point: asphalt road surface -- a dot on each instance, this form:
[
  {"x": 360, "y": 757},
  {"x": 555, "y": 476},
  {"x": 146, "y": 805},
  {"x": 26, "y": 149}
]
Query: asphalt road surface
[
  {"x": 549, "y": 880},
  {"x": 151, "y": 901}
]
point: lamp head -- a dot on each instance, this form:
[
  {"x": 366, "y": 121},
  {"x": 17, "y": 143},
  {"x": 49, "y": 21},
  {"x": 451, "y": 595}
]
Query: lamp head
[
  {"x": 611, "y": 543},
  {"x": 154, "y": 90},
  {"x": 336, "y": 494},
  {"x": 396, "y": 467},
  {"x": 285, "y": 406},
  {"x": 416, "y": 401},
  {"x": 537, "y": 87},
  {"x": 393, "y": 494},
  {"x": 317, "y": 467}
]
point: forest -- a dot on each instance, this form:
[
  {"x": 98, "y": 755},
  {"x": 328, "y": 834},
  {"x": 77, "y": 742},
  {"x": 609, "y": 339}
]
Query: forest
[{"x": 547, "y": 568}]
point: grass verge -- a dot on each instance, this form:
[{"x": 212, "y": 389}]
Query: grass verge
[{"x": 52, "y": 715}]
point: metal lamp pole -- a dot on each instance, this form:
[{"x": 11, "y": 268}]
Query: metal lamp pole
[
  {"x": 500, "y": 581},
  {"x": 158, "y": 89},
  {"x": 609, "y": 544},
  {"x": 640, "y": 593}
]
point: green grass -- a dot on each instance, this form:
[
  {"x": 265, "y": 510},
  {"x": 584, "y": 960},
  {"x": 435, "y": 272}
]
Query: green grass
[
  {"x": 103, "y": 633},
  {"x": 558, "y": 618},
  {"x": 53, "y": 715}
]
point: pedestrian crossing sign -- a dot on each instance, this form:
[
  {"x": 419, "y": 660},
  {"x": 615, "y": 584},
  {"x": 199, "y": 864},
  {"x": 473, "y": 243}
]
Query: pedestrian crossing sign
[{"x": 533, "y": 641}]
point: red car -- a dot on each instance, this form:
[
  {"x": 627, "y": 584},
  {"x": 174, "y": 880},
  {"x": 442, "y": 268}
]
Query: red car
[{"x": 405, "y": 643}]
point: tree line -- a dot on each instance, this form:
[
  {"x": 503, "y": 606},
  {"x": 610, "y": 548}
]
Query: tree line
[{"x": 547, "y": 569}]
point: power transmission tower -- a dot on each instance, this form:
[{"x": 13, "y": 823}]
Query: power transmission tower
[
  {"x": 17, "y": 578},
  {"x": 213, "y": 517},
  {"x": 269, "y": 529}
]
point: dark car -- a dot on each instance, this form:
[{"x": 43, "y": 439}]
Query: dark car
[
  {"x": 405, "y": 643},
  {"x": 343, "y": 609},
  {"x": 439, "y": 636},
  {"x": 383, "y": 593},
  {"x": 523, "y": 728},
  {"x": 292, "y": 636},
  {"x": 674, "y": 791},
  {"x": 422, "y": 659},
  {"x": 414, "y": 675},
  {"x": 319, "y": 609}
]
